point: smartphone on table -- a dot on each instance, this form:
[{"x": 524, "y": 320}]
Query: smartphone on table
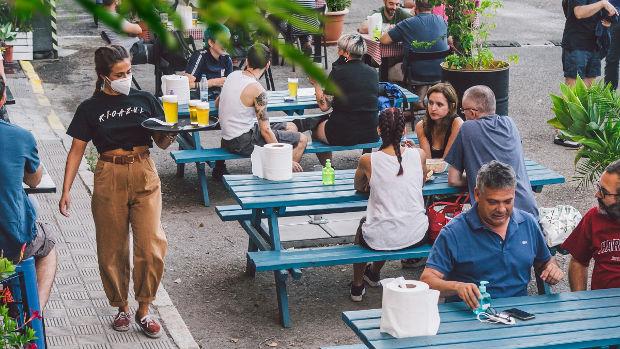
[{"x": 519, "y": 314}]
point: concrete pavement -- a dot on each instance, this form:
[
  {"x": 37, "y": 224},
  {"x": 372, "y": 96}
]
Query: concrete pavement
[{"x": 78, "y": 314}]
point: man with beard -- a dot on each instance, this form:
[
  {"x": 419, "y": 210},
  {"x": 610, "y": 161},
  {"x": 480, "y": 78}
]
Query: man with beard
[
  {"x": 493, "y": 242},
  {"x": 391, "y": 13},
  {"x": 598, "y": 237}
]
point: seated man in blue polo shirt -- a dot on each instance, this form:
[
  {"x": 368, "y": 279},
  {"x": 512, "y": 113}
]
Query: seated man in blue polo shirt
[
  {"x": 493, "y": 242},
  {"x": 212, "y": 61},
  {"x": 19, "y": 163}
]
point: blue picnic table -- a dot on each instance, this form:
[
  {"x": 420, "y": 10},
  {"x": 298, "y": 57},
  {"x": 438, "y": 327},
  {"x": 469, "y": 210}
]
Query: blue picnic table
[
  {"x": 305, "y": 194},
  {"x": 584, "y": 319},
  {"x": 276, "y": 102},
  {"x": 294, "y": 110}
]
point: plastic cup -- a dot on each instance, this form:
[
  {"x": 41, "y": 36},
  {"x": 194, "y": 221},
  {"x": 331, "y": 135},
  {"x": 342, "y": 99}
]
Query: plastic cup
[
  {"x": 202, "y": 113},
  {"x": 193, "y": 117},
  {"x": 171, "y": 109},
  {"x": 293, "y": 85}
]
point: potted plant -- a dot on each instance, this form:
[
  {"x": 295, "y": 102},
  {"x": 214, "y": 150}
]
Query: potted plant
[
  {"x": 589, "y": 116},
  {"x": 7, "y": 34},
  {"x": 334, "y": 19},
  {"x": 12, "y": 334},
  {"x": 472, "y": 62}
]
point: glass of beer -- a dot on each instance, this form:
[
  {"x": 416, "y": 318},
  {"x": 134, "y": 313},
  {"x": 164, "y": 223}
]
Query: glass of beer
[
  {"x": 202, "y": 113},
  {"x": 171, "y": 109},
  {"x": 293, "y": 84},
  {"x": 193, "y": 117}
]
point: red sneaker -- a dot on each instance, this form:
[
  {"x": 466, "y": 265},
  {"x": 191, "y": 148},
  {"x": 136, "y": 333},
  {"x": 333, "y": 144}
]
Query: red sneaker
[
  {"x": 121, "y": 322},
  {"x": 149, "y": 325}
]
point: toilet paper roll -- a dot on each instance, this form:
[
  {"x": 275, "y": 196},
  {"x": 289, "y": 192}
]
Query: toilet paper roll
[
  {"x": 179, "y": 85},
  {"x": 409, "y": 309},
  {"x": 278, "y": 161},
  {"x": 273, "y": 161}
]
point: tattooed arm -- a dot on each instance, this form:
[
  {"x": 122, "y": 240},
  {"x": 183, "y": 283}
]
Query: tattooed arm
[
  {"x": 260, "y": 107},
  {"x": 324, "y": 101}
]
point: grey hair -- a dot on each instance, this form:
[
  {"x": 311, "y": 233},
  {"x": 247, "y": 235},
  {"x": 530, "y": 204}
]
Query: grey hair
[
  {"x": 353, "y": 44},
  {"x": 496, "y": 175},
  {"x": 482, "y": 97},
  {"x": 613, "y": 168}
]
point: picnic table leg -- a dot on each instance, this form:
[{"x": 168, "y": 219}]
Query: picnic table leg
[
  {"x": 280, "y": 275},
  {"x": 250, "y": 270},
  {"x": 201, "y": 170},
  {"x": 285, "y": 316}
]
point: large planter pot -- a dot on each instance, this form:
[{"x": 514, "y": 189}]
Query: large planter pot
[
  {"x": 496, "y": 79},
  {"x": 334, "y": 23},
  {"x": 8, "y": 53}
]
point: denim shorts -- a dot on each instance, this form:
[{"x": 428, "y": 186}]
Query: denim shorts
[{"x": 586, "y": 64}]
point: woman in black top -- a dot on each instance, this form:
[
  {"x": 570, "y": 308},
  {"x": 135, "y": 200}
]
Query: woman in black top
[
  {"x": 354, "y": 117},
  {"x": 127, "y": 190},
  {"x": 441, "y": 124}
]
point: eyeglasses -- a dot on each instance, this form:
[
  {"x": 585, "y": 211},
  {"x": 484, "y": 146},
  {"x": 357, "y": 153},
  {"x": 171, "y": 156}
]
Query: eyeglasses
[
  {"x": 603, "y": 192},
  {"x": 463, "y": 110}
]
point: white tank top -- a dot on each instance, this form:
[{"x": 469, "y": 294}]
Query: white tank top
[
  {"x": 235, "y": 118},
  {"x": 396, "y": 216}
]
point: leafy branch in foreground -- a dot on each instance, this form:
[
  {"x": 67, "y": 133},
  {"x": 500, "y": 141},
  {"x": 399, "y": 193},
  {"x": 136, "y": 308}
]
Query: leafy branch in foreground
[
  {"x": 245, "y": 15},
  {"x": 589, "y": 116}
]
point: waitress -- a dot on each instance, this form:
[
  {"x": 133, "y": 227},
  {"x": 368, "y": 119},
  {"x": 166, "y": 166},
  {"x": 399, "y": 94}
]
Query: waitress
[{"x": 127, "y": 188}]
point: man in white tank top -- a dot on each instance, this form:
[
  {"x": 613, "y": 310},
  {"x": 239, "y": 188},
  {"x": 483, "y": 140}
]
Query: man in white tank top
[{"x": 243, "y": 117}]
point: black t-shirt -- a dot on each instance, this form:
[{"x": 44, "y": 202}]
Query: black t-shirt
[
  {"x": 579, "y": 34},
  {"x": 114, "y": 122},
  {"x": 354, "y": 117}
]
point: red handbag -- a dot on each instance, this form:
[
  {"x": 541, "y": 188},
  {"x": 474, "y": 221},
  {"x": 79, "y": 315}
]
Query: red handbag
[{"x": 441, "y": 212}]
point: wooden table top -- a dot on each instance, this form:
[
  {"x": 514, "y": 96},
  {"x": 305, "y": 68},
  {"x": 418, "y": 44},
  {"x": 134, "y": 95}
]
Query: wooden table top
[{"x": 583, "y": 319}]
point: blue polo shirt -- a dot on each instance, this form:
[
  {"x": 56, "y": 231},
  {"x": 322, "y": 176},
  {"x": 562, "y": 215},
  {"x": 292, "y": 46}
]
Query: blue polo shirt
[
  {"x": 466, "y": 250},
  {"x": 18, "y": 152}
]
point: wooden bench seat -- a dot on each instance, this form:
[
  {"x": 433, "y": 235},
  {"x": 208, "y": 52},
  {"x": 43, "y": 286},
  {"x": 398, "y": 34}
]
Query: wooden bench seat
[
  {"x": 236, "y": 213},
  {"x": 328, "y": 256},
  {"x": 349, "y": 346},
  {"x": 213, "y": 154},
  {"x": 209, "y": 155}
]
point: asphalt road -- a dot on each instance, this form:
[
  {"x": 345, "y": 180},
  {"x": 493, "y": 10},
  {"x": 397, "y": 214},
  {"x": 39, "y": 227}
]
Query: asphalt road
[{"x": 204, "y": 273}]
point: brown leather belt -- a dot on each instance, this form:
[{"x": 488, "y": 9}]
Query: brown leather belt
[{"x": 124, "y": 159}]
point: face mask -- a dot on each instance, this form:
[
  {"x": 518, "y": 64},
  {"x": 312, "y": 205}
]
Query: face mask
[
  {"x": 122, "y": 85},
  {"x": 613, "y": 210}
]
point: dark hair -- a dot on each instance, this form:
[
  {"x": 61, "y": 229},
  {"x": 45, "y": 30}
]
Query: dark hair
[
  {"x": 391, "y": 126},
  {"x": 444, "y": 124},
  {"x": 258, "y": 56},
  {"x": 613, "y": 168},
  {"x": 105, "y": 58},
  {"x": 423, "y": 5},
  {"x": 2, "y": 86},
  {"x": 496, "y": 175},
  {"x": 108, "y": 2}
]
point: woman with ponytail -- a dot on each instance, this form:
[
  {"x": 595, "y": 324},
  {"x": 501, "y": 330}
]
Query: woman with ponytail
[
  {"x": 441, "y": 124},
  {"x": 396, "y": 216},
  {"x": 127, "y": 188}
]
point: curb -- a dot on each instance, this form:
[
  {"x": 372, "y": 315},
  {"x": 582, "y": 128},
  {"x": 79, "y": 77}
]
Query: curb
[{"x": 168, "y": 313}]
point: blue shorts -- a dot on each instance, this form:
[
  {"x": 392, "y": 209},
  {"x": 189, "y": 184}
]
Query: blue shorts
[{"x": 586, "y": 64}]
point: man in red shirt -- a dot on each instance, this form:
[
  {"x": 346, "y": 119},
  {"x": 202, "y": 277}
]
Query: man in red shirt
[{"x": 598, "y": 236}]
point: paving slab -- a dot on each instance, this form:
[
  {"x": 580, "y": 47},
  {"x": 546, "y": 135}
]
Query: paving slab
[{"x": 78, "y": 314}]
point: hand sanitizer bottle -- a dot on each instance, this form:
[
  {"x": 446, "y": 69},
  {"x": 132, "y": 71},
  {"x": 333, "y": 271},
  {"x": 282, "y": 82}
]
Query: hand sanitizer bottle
[
  {"x": 328, "y": 175},
  {"x": 204, "y": 89},
  {"x": 485, "y": 298}
]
